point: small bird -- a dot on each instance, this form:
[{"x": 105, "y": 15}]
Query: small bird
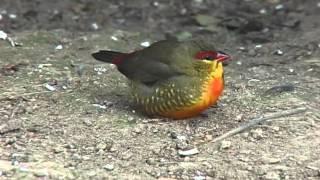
[{"x": 171, "y": 78}]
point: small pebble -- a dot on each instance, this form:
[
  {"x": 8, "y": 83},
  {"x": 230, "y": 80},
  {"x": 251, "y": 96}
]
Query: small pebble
[
  {"x": 114, "y": 38},
  {"x": 3, "y": 35},
  {"x": 59, "y": 47},
  {"x": 257, "y": 133},
  {"x": 225, "y": 144},
  {"x": 291, "y": 70},
  {"x": 258, "y": 46},
  {"x": 188, "y": 152},
  {"x": 100, "y": 106},
  {"x": 151, "y": 161},
  {"x": 278, "y": 52},
  {"x": 199, "y": 177},
  {"x": 145, "y": 44},
  {"x": 279, "y": 7},
  {"x": 94, "y": 26},
  {"x": 49, "y": 87},
  {"x": 101, "y": 146},
  {"x": 263, "y": 11},
  {"x": 270, "y": 160},
  {"x": 271, "y": 175},
  {"x": 41, "y": 173},
  {"x": 108, "y": 167},
  {"x": 58, "y": 150},
  {"x": 12, "y": 16}
]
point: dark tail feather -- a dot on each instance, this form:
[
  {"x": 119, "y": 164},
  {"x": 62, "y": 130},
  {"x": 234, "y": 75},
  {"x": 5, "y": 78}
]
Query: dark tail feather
[{"x": 109, "y": 56}]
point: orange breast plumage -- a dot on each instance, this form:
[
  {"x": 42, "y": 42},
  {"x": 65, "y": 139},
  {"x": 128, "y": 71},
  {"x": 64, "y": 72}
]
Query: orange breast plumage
[{"x": 182, "y": 98}]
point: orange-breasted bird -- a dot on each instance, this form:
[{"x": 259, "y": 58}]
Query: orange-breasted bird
[{"x": 171, "y": 78}]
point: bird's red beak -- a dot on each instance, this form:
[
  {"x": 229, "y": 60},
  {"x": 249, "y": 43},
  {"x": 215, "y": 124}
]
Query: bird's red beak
[{"x": 221, "y": 56}]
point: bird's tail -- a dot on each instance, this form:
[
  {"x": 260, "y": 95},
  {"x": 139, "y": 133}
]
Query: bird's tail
[{"x": 112, "y": 57}]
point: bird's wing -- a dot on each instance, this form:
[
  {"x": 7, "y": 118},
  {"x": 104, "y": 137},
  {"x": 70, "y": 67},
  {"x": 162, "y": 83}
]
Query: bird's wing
[{"x": 152, "y": 64}]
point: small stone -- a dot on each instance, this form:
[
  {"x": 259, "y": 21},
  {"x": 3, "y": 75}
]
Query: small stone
[
  {"x": 91, "y": 173},
  {"x": 41, "y": 173},
  {"x": 101, "y": 146},
  {"x": 208, "y": 137},
  {"x": 271, "y": 160},
  {"x": 59, "y": 47},
  {"x": 3, "y": 35},
  {"x": 188, "y": 152},
  {"x": 239, "y": 117},
  {"x": 108, "y": 167},
  {"x": 76, "y": 156},
  {"x": 86, "y": 158},
  {"x": 263, "y": 11},
  {"x": 257, "y": 133},
  {"x": 49, "y": 87},
  {"x": 278, "y": 52},
  {"x": 12, "y": 16},
  {"x": 151, "y": 161},
  {"x": 137, "y": 130},
  {"x": 271, "y": 175},
  {"x": 130, "y": 119},
  {"x": 225, "y": 144},
  {"x": 114, "y": 38},
  {"x": 145, "y": 44},
  {"x": 94, "y": 26},
  {"x": 279, "y": 7},
  {"x": 291, "y": 70},
  {"x": 258, "y": 46},
  {"x": 58, "y": 150},
  {"x": 199, "y": 177}
]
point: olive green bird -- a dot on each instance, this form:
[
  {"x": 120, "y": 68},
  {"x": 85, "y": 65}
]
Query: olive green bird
[{"x": 171, "y": 78}]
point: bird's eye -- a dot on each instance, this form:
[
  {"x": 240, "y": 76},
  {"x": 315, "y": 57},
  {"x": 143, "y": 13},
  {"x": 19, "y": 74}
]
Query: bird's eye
[{"x": 206, "y": 55}]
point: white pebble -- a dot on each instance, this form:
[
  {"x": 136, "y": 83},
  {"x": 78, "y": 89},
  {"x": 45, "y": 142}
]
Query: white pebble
[
  {"x": 263, "y": 11},
  {"x": 100, "y": 106},
  {"x": 258, "y": 46},
  {"x": 145, "y": 44},
  {"x": 94, "y": 26},
  {"x": 188, "y": 152},
  {"x": 108, "y": 167},
  {"x": 199, "y": 178},
  {"x": 114, "y": 38},
  {"x": 3, "y": 35},
  {"x": 279, "y": 52},
  {"x": 279, "y": 7},
  {"x": 49, "y": 87},
  {"x": 12, "y": 16},
  {"x": 59, "y": 47}
]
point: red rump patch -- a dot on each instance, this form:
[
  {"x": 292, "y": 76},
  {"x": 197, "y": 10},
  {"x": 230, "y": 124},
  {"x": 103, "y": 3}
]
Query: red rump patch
[
  {"x": 119, "y": 59},
  {"x": 206, "y": 55}
]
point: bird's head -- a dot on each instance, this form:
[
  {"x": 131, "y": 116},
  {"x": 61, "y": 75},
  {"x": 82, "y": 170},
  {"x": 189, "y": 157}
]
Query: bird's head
[{"x": 204, "y": 57}]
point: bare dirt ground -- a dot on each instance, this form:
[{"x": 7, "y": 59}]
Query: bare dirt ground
[{"x": 65, "y": 116}]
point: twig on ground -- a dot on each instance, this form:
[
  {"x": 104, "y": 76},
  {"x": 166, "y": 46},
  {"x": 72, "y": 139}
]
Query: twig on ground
[{"x": 255, "y": 121}]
